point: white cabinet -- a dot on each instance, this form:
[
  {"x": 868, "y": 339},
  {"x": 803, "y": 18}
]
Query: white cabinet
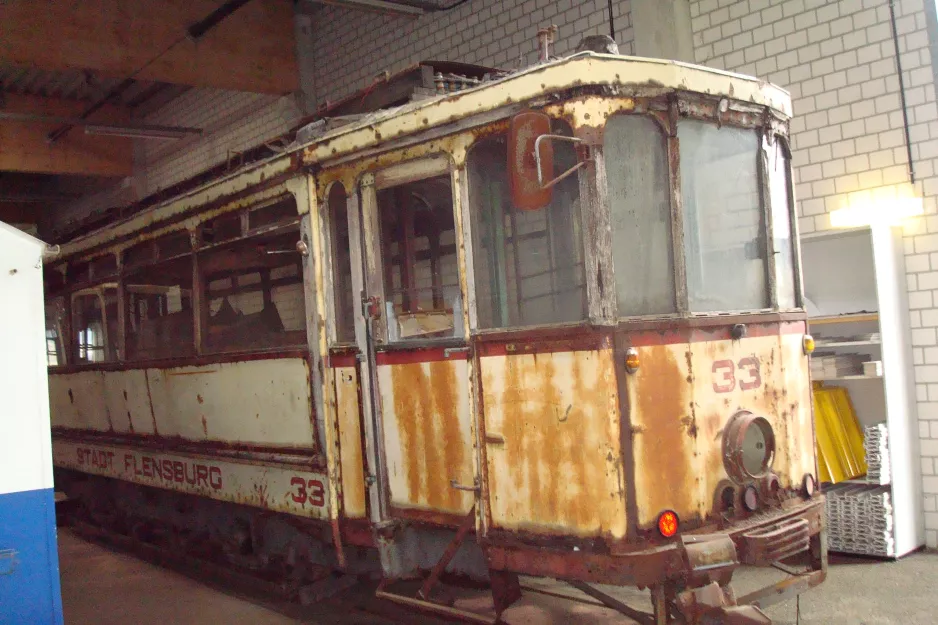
[{"x": 855, "y": 291}]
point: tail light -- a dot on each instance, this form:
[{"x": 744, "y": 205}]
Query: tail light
[{"x": 668, "y": 523}]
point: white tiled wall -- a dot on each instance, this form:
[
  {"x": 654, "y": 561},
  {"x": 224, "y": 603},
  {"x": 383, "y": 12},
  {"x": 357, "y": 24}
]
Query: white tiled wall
[
  {"x": 837, "y": 57},
  {"x": 353, "y": 47},
  {"x": 231, "y": 121}
]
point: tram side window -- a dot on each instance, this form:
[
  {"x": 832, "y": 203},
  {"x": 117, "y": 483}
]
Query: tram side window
[
  {"x": 724, "y": 230},
  {"x": 528, "y": 264},
  {"x": 418, "y": 250},
  {"x": 94, "y": 324},
  {"x": 636, "y": 157},
  {"x": 341, "y": 265},
  {"x": 254, "y": 293},
  {"x": 784, "y": 248},
  {"x": 55, "y": 332},
  {"x": 158, "y": 295}
]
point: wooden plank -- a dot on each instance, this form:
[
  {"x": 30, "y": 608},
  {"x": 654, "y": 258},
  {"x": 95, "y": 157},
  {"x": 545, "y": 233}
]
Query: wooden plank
[
  {"x": 251, "y": 50},
  {"x": 849, "y": 318},
  {"x": 25, "y": 148}
]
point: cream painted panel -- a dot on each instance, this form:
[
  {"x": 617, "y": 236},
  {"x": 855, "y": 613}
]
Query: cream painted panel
[
  {"x": 553, "y": 447},
  {"x": 127, "y": 400},
  {"x": 679, "y": 426},
  {"x": 350, "y": 442},
  {"x": 427, "y": 434},
  {"x": 290, "y": 490},
  {"x": 264, "y": 402},
  {"x": 77, "y": 401}
]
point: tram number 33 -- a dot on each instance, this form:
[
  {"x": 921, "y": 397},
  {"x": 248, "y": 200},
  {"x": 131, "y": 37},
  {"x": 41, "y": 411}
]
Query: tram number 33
[
  {"x": 311, "y": 491},
  {"x": 746, "y": 372}
]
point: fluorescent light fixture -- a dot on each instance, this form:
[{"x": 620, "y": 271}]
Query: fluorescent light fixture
[
  {"x": 142, "y": 132},
  {"x": 885, "y": 211},
  {"x": 378, "y": 6}
]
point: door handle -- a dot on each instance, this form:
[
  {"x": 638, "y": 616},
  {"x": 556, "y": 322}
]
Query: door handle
[
  {"x": 471, "y": 489},
  {"x": 449, "y": 351}
]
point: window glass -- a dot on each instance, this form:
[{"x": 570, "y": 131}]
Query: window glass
[
  {"x": 254, "y": 294},
  {"x": 158, "y": 295},
  {"x": 94, "y": 324},
  {"x": 418, "y": 251},
  {"x": 55, "y": 331},
  {"x": 528, "y": 264},
  {"x": 784, "y": 248},
  {"x": 723, "y": 223},
  {"x": 341, "y": 265},
  {"x": 636, "y": 157}
]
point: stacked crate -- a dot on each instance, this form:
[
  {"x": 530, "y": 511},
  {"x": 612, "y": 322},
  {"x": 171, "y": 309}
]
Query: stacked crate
[
  {"x": 876, "y": 445},
  {"x": 859, "y": 519}
]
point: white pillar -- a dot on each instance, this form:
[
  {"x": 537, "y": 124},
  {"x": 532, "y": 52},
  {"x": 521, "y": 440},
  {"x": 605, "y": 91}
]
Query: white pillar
[{"x": 662, "y": 29}]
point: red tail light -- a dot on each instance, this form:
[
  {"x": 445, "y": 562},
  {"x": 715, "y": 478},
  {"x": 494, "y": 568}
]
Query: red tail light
[{"x": 667, "y": 523}]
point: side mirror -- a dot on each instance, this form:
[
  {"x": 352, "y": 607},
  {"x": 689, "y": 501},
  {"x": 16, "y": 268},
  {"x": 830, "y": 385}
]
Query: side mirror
[{"x": 524, "y": 170}]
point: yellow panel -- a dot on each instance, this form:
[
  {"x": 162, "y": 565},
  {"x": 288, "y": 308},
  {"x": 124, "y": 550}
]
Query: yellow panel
[
  {"x": 559, "y": 468},
  {"x": 348, "y": 414},
  {"x": 427, "y": 434},
  {"x": 839, "y": 439}
]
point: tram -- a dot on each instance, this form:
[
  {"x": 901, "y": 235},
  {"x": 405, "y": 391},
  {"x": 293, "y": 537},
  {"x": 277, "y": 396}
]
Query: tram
[{"x": 548, "y": 324}]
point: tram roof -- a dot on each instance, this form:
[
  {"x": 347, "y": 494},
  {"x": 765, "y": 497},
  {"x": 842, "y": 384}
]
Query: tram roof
[{"x": 630, "y": 76}]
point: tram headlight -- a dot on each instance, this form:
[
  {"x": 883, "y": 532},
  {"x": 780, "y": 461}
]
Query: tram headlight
[{"x": 748, "y": 446}]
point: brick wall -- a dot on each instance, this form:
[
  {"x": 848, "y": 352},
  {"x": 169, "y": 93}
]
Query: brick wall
[
  {"x": 232, "y": 121},
  {"x": 354, "y": 47},
  {"x": 838, "y": 60}
]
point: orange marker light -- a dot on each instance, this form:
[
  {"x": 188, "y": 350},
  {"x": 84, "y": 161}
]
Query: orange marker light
[
  {"x": 667, "y": 523},
  {"x": 808, "y": 344},
  {"x": 632, "y": 361}
]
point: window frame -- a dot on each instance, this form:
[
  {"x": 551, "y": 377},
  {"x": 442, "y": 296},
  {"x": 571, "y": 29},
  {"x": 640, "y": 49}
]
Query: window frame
[
  {"x": 331, "y": 287},
  {"x": 194, "y": 230},
  {"x": 668, "y": 117},
  {"x": 380, "y": 178},
  {"x": 589, "y": 211}
]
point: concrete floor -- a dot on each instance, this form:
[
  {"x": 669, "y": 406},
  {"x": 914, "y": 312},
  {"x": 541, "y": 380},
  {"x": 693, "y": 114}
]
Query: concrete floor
[{"x": 104, "y": 587}]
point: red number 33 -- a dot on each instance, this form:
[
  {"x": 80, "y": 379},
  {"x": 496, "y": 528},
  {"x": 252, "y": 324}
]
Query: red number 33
[
  {"x": 315, "y": 495},
  {"x": 724, "y": 375}
]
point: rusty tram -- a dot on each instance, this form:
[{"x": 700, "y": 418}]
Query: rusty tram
[{"x": 548, "y": 325}]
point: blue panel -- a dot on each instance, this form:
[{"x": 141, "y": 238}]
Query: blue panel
[{"x": 29, "y": 559}]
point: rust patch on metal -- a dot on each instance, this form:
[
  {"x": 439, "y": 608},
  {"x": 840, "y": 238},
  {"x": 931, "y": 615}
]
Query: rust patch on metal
[
  {"x": 199, "y": 399},
  {"x": 553, "y": 443},
  {"x": 348, "y": 414},
  {"x": 146, "y": 378},
  {"x": 665, "y": 451},
  {"x": 432, "y": 442},
  {"x": 204, "y": 425}
]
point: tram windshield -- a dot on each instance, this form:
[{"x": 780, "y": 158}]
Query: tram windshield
[
  {"x": 725, "y": 217},
  {"x": 528, "y": 264}
]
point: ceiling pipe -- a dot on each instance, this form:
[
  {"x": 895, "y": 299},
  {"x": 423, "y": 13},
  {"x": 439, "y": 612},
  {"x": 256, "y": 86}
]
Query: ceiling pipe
[
  {"x": 142, "y": 131},
  {"x": 194, "y": 32}
]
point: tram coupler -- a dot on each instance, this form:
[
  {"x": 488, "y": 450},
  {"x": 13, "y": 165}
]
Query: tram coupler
[{"x": 714, "y": 604}]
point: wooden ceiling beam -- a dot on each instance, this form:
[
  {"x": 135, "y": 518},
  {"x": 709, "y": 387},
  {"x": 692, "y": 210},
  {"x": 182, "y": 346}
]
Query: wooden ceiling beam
[
  {"x": 13, "y": 213},
  {"x": 250, "y": 50},
  {"x": 25, "y": 149}
]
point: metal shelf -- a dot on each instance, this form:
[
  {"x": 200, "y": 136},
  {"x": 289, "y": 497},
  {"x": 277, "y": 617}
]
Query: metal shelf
[
  {"x": 820, "y": 344},
  {"x": 850, "y": 318},
  {"x": 848, "y": 377}
]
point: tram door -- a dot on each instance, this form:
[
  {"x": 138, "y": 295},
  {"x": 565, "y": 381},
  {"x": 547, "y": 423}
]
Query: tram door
[{"x": 416, "y": 338}]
